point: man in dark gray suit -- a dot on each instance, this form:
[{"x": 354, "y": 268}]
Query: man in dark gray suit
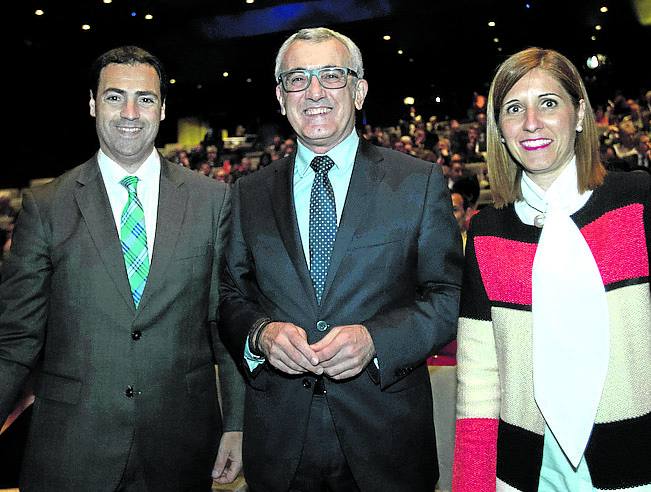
[
  {"x": 109, "y": 300},
  {"x": 342, "y": 276}
]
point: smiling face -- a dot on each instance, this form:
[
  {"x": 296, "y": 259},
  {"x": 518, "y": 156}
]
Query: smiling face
[
  {"x": 128, "y": 110},
  {"x": 539, "y": 123},
  {"x": 321, "y": 118}
]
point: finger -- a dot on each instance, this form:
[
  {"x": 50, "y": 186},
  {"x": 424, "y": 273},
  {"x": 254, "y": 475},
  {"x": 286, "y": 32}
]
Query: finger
[
  {"x": 229, "y": 474},
  {"x": 346, "y": 368},
  {"x": 285, "y": 365},
  {"x": 348, "y": 374},
  {"x": 220, "y": 462},
  {"x": 303, "y": 354},
  {"x": 342, "y": 370},
  {"x": 288, "y": 343},
  {"x": 294, "y": 357},
  {"x": 331, "y": 350},
  {"x": 337, "y": 365},
  {"x": 326, "y": 340},
  {"x": 347, "y": 359}
]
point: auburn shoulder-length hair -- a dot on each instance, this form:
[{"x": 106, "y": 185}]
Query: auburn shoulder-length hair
[{"x": 503, "y": 171}]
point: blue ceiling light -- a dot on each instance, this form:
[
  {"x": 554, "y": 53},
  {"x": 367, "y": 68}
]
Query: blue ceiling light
[{"x": 289, "y": 16}]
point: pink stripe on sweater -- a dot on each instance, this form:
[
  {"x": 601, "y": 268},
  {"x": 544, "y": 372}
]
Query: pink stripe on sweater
[
  {"x": 618, "y": 244},
  {"x": 475, "y": 455},
  {"x": 505, "y": 267}
]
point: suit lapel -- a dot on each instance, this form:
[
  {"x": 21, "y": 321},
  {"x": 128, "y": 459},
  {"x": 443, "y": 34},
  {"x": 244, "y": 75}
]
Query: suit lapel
[
  {"x": 285, "y": 215},
  {"x": 366, "y": 176},
  {"x": 95, "y": 208},
  {"x": 172, "y": 201}
]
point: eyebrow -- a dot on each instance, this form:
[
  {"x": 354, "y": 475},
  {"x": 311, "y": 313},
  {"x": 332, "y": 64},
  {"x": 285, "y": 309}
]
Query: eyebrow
[
  {"x": 138, "y": 93},
  {"x": 539, "y": 96},
  {"x": 315, "y": 68}
]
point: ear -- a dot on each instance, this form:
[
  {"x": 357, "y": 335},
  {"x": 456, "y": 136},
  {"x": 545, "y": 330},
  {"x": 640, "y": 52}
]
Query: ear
[
  {"x": 91, "y": 104},
  {"x": 162, "y": 111},
  {"x": 580, "y": 114},
  {"x": 281, "y": 99},
  {"x": 361, "y": 89}
]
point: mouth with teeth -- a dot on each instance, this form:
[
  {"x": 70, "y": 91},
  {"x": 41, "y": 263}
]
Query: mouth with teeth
[
  {"x": 535, "y": 143},
  {"x": 129, "y": 130},
  {"x": 316, "y": 111}
]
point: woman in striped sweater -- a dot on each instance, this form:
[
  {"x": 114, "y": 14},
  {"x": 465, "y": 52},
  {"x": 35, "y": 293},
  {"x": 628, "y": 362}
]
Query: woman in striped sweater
[{"x": 554, "y": 342}]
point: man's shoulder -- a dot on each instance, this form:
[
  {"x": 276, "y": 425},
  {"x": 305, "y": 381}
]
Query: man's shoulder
[
  {"x": 64, "y": 183},
  {"x": 202, "y": 186},
  {"x": 262, "y": 176},
  {"x": 402, "y": 162}
]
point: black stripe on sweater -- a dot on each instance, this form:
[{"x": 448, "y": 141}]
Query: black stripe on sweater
[
  {"x": 618, "y": 453},
  {"x": 519, "y": 457}
]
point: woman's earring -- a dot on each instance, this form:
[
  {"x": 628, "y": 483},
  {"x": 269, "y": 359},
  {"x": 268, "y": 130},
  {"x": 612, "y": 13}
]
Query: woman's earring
[
  {"x": 579, "y": 128},
  {"x": 502, "y": 140}
]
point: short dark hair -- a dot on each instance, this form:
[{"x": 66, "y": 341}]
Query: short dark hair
[
  {"x": 466, "y": 203},
  {"x": 127, "y": 55}
]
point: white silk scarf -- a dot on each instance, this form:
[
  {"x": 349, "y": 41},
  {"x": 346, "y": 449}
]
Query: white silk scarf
[{"x": 570, "y": 314}]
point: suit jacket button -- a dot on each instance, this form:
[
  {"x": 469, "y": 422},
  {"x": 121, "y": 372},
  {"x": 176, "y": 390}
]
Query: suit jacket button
[
  {"x": 129, "y": 392},
  {"x": 321, "y": 325},
  {"x": 136, "y": 335},
  {"x": 307, "y": 383}
]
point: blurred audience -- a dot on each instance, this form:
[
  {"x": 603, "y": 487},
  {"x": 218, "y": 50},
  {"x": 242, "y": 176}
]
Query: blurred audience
[{"x": 453, "y": 143}]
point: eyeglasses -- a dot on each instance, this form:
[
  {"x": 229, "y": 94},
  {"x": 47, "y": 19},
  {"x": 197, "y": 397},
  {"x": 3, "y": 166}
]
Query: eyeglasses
[{"x": 328, "y": 77}]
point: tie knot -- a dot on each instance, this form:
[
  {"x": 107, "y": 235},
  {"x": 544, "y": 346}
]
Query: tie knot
[
  {"x": 130, "y": 183},
  {"x": 322, "y": 164}
]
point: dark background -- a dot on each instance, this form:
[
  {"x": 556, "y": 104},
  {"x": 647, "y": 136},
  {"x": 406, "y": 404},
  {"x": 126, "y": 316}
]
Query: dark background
[{"x": 448, "y": 52}]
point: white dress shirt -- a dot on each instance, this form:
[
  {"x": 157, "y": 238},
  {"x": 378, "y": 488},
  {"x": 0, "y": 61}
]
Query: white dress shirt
[{"x": 148, "y": 185}]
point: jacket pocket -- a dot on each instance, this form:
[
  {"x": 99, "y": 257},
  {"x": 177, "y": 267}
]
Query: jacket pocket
[
  {"x": 194, "y": 252},
  {"x": 58, "y": 388},
  {"x": 374, "y": 240}
]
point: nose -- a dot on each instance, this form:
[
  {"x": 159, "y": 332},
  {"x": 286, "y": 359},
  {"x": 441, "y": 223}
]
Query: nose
[
  {"x": 532, "y": 121},
  {"x": 314, "y": 90},
  {"x": 130, "y": 110}
]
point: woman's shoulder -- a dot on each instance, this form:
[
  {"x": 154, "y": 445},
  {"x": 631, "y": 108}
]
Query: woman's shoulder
[
  {"x": 628, "y": 185},
  {"x": 491, "y": 220}
]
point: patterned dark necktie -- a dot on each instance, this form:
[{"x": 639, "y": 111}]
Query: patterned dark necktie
[
  {"x": 134, "y": 240},
  {"x": 323, "y": 223}
]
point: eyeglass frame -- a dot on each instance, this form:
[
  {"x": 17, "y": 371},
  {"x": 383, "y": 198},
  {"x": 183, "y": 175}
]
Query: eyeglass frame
[{"x": 315, "y": 71}]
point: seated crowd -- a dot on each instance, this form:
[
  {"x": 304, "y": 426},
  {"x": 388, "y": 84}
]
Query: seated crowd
[{"x": 458, "y": 146}]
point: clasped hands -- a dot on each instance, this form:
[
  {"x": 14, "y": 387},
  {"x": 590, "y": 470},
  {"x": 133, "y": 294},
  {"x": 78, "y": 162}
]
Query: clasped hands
[{"x": 343, "y": 353}]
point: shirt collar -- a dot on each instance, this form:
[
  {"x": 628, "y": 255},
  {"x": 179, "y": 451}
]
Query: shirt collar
[
  {"x": 149, "y": 171},
  {"x": 343, "y": 154}
]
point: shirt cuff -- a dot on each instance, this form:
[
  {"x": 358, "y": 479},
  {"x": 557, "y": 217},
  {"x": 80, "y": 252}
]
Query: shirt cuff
[{"x": 252, "y": 360}]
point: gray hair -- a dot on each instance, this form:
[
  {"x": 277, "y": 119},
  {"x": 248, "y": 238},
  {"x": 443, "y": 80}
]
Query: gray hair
[{"x": 319, "y": 35}]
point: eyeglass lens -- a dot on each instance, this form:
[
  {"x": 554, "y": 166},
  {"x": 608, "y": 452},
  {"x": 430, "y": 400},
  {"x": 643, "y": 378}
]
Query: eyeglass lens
[{"x": 330, "y": 78}]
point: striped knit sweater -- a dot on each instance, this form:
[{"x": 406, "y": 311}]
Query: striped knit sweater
[{"x": 499, "y": 434}]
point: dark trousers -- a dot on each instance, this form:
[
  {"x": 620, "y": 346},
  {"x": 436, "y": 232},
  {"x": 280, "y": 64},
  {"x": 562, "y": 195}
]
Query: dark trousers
[
  {"x": 323, "y": 466},
  {"x": 133, "y": 478}
]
